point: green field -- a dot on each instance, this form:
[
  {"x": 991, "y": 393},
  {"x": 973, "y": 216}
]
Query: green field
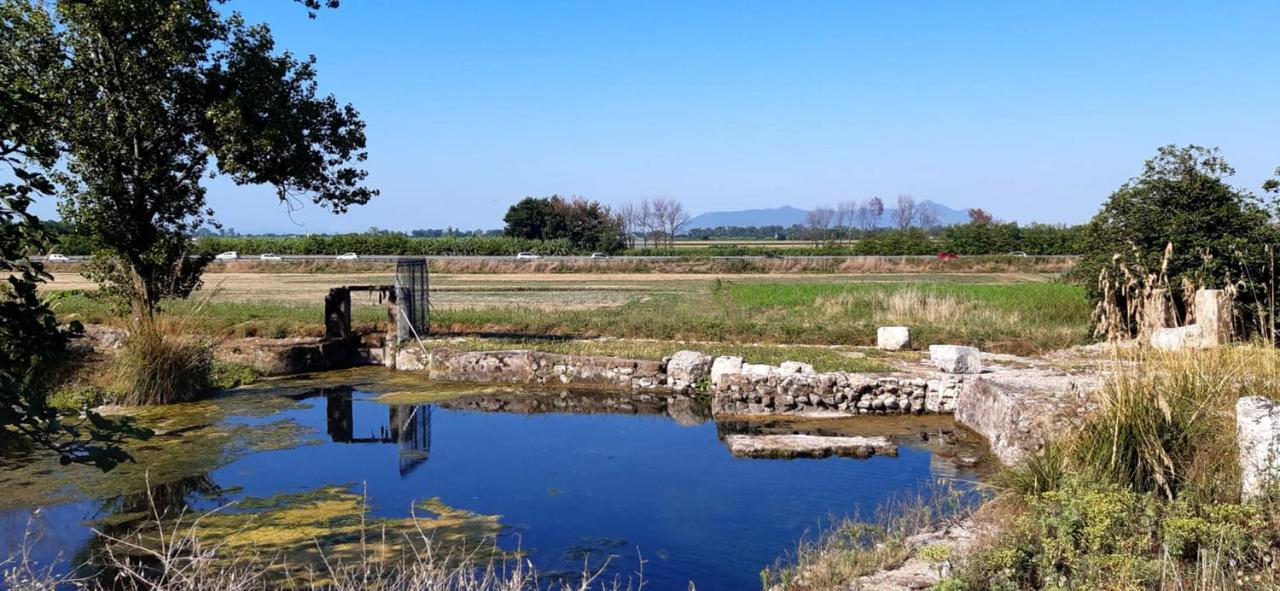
[{"x": 1001, "y": 313}]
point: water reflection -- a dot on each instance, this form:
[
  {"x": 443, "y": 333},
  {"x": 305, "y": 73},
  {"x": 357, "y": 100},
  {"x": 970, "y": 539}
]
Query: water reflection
[{"x": 408, "y": 426}]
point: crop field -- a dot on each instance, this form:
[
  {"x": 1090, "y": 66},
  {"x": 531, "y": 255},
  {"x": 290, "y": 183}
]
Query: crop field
[{"x": 1006, "y": 312}]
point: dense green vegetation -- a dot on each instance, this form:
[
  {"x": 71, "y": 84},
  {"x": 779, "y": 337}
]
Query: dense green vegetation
[
  {"x": 586, "y": 225},
  {"x": 1178, "y": 226},
  {"x": 968, "y": 239}
]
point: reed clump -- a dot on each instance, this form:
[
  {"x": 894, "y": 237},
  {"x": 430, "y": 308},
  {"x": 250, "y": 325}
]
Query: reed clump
[{"x": 160, "y": 363}]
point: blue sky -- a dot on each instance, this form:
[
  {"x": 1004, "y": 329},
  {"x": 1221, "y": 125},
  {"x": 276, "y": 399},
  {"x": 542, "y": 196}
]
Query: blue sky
[{"x": 1032, "y": 110}]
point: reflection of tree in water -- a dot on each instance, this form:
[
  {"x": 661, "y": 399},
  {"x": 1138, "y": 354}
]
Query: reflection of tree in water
[
  {"x": 122, "y": 516},
  {"x": 408, "y": 426}
]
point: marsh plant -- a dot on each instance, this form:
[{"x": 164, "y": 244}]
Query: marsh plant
[{"x": 161, "y": 364}]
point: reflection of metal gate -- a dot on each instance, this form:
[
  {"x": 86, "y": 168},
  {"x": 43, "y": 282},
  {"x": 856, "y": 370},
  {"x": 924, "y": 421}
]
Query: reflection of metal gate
[{"x": 412, "y": 299}]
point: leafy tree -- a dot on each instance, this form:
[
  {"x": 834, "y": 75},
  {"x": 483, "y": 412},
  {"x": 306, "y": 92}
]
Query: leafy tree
[
  {"x": 531, "y": 218},
  {"x": 980, "y": 217},
  {"x": 144, "y": 95},
  {"x": 587, "y": 225},
  {"x": 31, "y": 341},
  {"x": 1219, "y": 234}
]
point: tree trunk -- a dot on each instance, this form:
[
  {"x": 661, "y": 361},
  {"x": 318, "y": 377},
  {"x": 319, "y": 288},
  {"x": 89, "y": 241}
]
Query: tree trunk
[{"x": 143, "y": 299}]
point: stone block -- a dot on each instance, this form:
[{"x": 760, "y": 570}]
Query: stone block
[
  {"x": 1178, "y": 339},
  {"x": 893, "y": 338},
  {"x": 1213, "y": 311},
  {"x": 686, "y": 368},
  {"x": 1258, "y": 435},
  {"x": 724, "y": 365},
  {"x": 956, "y": 358},
  {"x": 795, "y": 367}
]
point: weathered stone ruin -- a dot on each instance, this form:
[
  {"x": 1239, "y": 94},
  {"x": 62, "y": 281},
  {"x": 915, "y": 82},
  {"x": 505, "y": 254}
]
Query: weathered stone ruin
[
  {"x": 893, "y": 338},
  {"x": 1258, "y": 435},
  {"x": 956, "y": 358},
  {"x": 1213, "y": 326}
]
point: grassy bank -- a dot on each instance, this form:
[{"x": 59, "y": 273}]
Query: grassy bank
[{"x": 1024, "y": 317}]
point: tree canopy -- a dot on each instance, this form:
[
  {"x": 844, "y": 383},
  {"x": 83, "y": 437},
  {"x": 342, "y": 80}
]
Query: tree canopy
[
  {"x": 31, "y": 340},
  {"x": 1219, "y": 235},
  {"x": 145, "y": 100},
  {"x": 584, "y": 223}
]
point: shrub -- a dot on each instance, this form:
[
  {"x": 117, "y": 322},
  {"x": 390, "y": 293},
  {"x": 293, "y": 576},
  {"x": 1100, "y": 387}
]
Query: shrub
[
  {"x": 157, "y": 365},
  {"x": 1220, "y": 235}
]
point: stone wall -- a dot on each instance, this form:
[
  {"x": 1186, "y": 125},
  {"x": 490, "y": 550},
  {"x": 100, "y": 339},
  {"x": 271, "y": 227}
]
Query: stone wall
[
  {"x": 1017, "y": 413},
  {"x": 835, "y": 393},
  {"x": 533, "y": 367},
  {"x": 287, "y": 356}
]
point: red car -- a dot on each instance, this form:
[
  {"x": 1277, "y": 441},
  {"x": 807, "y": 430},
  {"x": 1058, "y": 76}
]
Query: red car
[{"x": 948, "y": 256}]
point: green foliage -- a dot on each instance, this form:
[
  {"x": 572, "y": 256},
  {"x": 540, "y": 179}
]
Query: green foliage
[
  {"x": 1219, "y": 234},
  {"x": 587, "y": 225},
  {"x": 992, "y": 238},
  {"x": 1099, "y": 535},
  {"x": 115, "y": 282},
  {"x": 31, "y": 341},
  {"x": 225, "y": 375},
  {"x": 134, "y": 135}
]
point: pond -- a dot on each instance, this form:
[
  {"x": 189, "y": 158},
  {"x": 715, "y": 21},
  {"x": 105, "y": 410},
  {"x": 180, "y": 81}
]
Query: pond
[{"x": 566, "y": 478}]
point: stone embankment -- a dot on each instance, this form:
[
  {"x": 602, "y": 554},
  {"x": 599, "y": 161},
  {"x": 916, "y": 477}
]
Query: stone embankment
[{"x": 1016, "y": 408}]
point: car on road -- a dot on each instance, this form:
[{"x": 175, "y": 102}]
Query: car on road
[
  {"x": 1017, "y": 253},
  {"x": 948, "y": 256},
  {"x": 526, "y": 256},
  {"x": 599, "y": 255},
  {"x": 230, "y": 255},
  {"x": 271, "y": 257},
  {"x": 57, "y": 258},
  {"x": 772, "y": 255},
  {"x": 348, "y": 256}
]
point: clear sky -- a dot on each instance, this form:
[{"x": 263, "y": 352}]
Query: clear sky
[{"x": 1032, "y": 110}]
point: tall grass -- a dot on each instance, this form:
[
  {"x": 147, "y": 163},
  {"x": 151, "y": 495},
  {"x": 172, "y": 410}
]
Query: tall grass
[
  {"x": 160, "y": 364},
  {"x": 1146, "y": 493}
]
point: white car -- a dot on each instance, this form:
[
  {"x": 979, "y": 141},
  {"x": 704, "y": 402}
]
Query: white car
[
  {"x": 1017, "y": 253},
  {"x": 348, "y": 256},
  {"x": 230, "y": 255},
  {"x": 271, "y": 257},
  {"x": 526, "y": 256},
  {"x": 599, "y": 255},
  {"x": 57, "y": 258}
]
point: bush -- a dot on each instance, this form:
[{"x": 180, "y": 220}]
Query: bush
[
  {"x": 158, "y": 365},
  {"x": 1180, "y": 220}
]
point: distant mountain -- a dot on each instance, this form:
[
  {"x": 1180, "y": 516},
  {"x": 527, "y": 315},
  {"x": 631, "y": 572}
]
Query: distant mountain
[
  {"x": 788, "y": 216},
  {"x": 779, "y": 216}
]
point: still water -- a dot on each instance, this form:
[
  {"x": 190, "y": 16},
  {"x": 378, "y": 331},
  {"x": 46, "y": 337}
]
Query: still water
[{"x": 571, "y": 477}]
